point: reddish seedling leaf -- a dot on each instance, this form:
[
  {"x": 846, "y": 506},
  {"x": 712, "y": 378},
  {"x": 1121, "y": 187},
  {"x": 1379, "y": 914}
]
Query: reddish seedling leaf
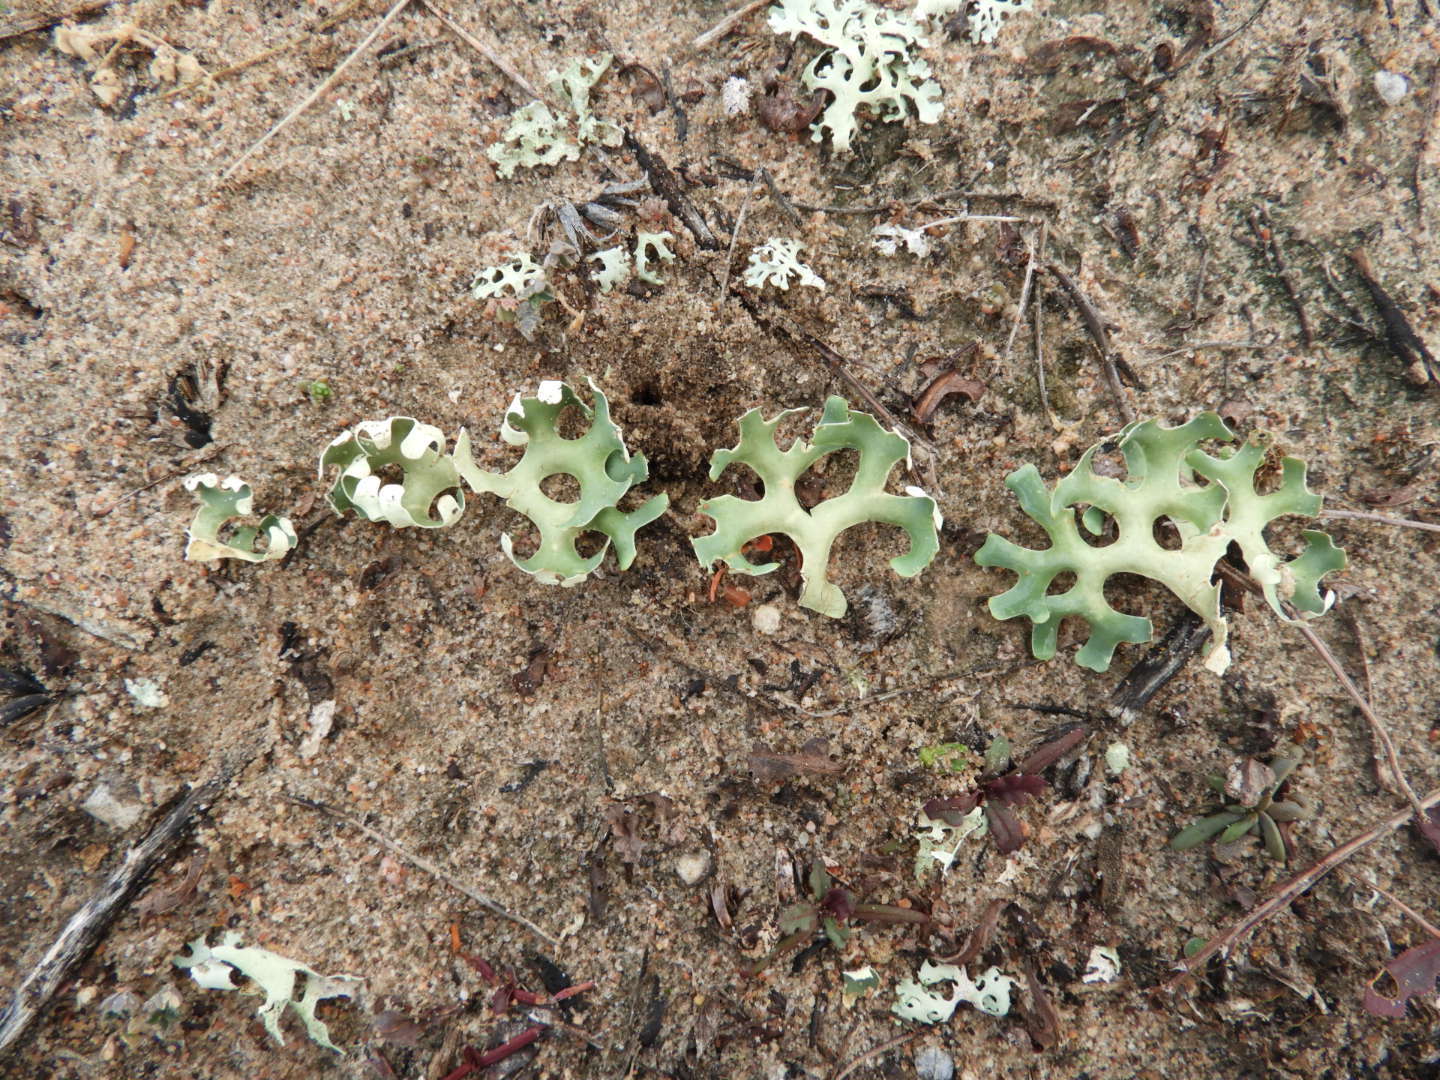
[
  {"x": 952, "y": 810},
  {"x": 1015, "y": 789},
  {"x": 1429, "y": 826},
  {"x": 1005, "y": 827},
  {"x": 1415, "y": 972},
  {"x": 1046, "y": 754}
]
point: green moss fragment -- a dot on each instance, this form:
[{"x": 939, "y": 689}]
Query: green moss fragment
[{"x": 738, "y": 521}]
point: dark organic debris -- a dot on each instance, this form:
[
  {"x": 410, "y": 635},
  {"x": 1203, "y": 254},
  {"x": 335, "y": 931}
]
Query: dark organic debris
[
  {"x": 395, "y": 1027},
  {"x": 768, "y": 767},
  {"x": 1404, "y": 342},
  {"x": 27, "y": 694}
]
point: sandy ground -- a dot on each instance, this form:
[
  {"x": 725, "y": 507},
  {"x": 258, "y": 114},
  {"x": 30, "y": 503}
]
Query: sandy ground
[{"x": 516, "y": 735}]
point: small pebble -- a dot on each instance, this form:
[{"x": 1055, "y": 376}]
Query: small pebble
[
  {"x": 1391, "y": 86},
  {"x": 932, "y": 1063}
]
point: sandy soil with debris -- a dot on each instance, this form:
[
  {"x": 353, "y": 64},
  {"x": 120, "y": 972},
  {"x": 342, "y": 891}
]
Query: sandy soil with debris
[{"x": 155, "y": 322}]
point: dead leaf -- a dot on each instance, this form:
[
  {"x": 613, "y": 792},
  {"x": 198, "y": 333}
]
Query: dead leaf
[
  {"x": 950, "y": 382},
  {"x": 397, "y": 1028},
  {"x": 160, "y": 901},
  {"x": 1415, "y": 972},
  {"x": 814, "y": 757}
]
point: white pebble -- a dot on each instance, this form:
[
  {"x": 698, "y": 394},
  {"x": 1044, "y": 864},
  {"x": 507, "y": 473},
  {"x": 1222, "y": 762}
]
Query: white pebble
[{"x": 692, "y": 867}]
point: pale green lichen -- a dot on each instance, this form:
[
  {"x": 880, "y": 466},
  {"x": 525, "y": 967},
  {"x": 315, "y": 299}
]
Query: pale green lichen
[
  {"x": 990, "y": 993},
  {"x": 871, "y": 60},
  {"x": 1210, "y": 502},
  {"x": 777, "y": 261},
  {"x": 738, "y": 521},
  {"x": 614, "y": 267},
  {"x": 220, "y": 502},
  {"x": 519, "y": 276},
  {"x": 537, "y": 135},
  {"x": 274, "y": 976},
  {"x": 599, "y": 463},
  {"x": 650, "y": 246},
  {"x": 429, "y": 496},
  {"x": 984, "y": 19}
]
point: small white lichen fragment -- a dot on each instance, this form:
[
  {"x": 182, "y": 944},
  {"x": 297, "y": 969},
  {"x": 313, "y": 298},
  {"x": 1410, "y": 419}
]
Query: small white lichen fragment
[
  {"x": 735, "y": 96},
  {"x": 147, "y": 693},
  {"x": 1391, "y": 86},
  {"x": 765, "y": 618},
  {"x": 650, "y": 246},
  {"x": 984, "y": 21},
  {"x": 614, "y": 267},
  {"x": 519, "y": 274},
  {"x": 889, "y": 239},
  {"x": 858, "y": 983},
  {"x": 872, "y": 61},
  {"x": 274, "y": 975},
  {"x": 108, "y": 806},
  {"x": 990, "y": 993},
  {"x": 1103, "y": 965},
  {"x": 777, "y": 261},
  {"x": 940, "y": 842},
  {"x": 220, "y": 502},
  {"x": 1117, "y": 758}
]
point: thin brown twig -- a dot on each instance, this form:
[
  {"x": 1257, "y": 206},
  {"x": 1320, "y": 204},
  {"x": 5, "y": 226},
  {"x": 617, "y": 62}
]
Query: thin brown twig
[
  {"x": 1289, "y": 890},
  {"x": 499, "y": 62},
  {"x": 1428, "y": 926},
  {"x": 1377, "y": 728},
  {"x": 265, "y": 54},
  {"x": 874, "y": 1051},
  {"x": 1096, "y": 327},
  {"x": 85, "y": 928},
  {"x": 1024, "y": 294},
  {"x": 1432, "y": 106},
  {"x": 725, "y": 25},
  {"x": 492, "y": 906},
  {"x": 1264, "y": 231},
  {"x": 319, "y": 92},
  {"x": 735, "y": 234},
  {"x": 1366, "y": 515}
]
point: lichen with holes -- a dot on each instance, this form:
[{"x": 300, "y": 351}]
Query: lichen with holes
[
  {"x": 871, "y": 61},
  {"x": 1210, "y": 502},
  {"x": 599, "y": 463},
  {"x": 221, "y": 501},
  {"x": 814, "y": 531},
  {"x": 428, "y": 496},
  {"x": 538, "y": 135}
]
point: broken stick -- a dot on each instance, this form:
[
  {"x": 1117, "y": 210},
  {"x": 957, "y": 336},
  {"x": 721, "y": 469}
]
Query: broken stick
[{"x": 85, "y": 928}]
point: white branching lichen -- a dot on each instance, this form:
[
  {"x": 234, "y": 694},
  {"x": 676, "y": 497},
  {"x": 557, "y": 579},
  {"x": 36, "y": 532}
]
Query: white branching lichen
[{"x": 776, "y": 262}]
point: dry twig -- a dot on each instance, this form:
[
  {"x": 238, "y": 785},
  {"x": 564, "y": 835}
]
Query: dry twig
[
  {"x": 725, "y": 25},
  {"x": 1366, "y": 515},
  {"x": 1282, "y": 896},
  {"x": 503, "y": 65},
  {"x": 1096, "y": 327},
  {"x": 319, "y": 92},
  {"x": 85, "y": 928},
  {"x": 492, "y": 906}
]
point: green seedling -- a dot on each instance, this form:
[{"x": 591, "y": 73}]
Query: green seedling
[
  {"x": 220, "y": 502},
  {"x": 428, "y": 496},
  {"x": 739, "y": 521},
  {"x": 1253, "y": 789},
  {"x": 827, "y": 910},
  {"x": 599, "y": 463},
  {"x": 1208, "y": 503},
  {"x": 318, "y": 391}
]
